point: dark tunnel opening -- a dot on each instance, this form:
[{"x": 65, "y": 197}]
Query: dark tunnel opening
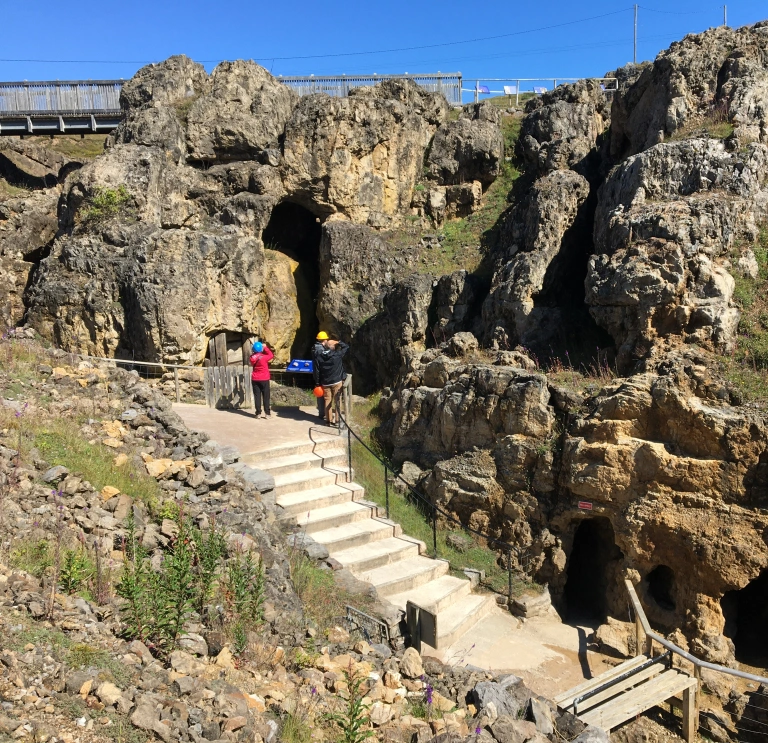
[
  {"x": 295, "y": 231},
  {"x": 588, "y": 570},
  {"x": 661, "y": 587},
  {"x": 746, "y": 620}
]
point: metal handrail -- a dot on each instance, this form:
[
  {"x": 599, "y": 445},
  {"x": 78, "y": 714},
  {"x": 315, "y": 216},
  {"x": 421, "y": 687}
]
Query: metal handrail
[
  {"x": 505, "y": 546},
  {"x": 651, "y": 637}
]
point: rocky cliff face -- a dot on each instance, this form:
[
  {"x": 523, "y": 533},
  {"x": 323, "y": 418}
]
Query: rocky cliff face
[
  {"x": 226, "y": 203},
  {"x": 175, "y": 234}
]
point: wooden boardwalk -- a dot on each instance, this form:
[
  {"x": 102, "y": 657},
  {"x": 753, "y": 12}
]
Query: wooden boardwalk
[{"x": 628, "y": 690}]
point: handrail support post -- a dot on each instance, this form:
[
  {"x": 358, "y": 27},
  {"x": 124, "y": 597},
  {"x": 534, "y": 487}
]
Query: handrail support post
[{"x": 386, "y": 488}]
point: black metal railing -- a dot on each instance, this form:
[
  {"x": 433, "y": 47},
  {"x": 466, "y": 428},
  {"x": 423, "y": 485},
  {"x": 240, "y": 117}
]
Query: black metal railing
[{"x": 431, "y": 510}]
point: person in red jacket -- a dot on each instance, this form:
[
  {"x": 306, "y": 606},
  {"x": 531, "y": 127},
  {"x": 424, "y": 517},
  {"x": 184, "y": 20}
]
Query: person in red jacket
[{"x": 260, "y": 377}]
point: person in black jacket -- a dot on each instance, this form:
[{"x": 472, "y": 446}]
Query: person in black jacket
[{"x": 328, "y": 369}]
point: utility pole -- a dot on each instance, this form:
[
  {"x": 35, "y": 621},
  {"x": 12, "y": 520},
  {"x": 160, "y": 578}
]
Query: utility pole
[
  {"x": 725, "y": 15},
  {"x": 634, "y": 56}
]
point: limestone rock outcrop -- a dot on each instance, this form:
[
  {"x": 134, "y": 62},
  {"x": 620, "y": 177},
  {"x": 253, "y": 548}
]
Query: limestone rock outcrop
[
  {"x": 33, "y": 166},
  {"x": 529, "y": 288},
  {"x": 359, "y": 157},
  {"x": 562, "y": 127},
  {"x": 666, "y": 221},
  {"x": 357, "y": 267},
  {"x": 244, "y": 113},
  {"x": 717, "y": 76},
  {"x": 468, "y": 149},
  {"x": 28, "y": 226}
]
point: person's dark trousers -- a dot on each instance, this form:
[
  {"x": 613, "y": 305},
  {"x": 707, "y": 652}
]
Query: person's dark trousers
[
  {"x": 259, "y": 389},
  {"x": 321, "y": 407}
]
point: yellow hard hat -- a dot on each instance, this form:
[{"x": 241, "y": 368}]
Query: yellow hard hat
[{"x": 322, "y": 336}]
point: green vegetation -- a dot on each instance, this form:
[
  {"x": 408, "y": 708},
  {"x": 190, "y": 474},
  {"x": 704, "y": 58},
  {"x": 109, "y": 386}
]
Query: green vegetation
[
  {"x": 415, "y": 518},
  {"x": 76, "y": 568},
  {"x": 106, "y": 203},
  {"x": 183, "y": 107},
  {"x": 465, "y": 242},
  {"x": 31, "y": 555},
  {"x": 74, "y": 146},
  {"x": 324, "y": 602},
  {"x": 9, "y": 191},
  {"x": 60, "y": 443},
  {"x": 747, "y": 368},
  {"x": 157, "y": 603},
  {"x": 354, "y": 721},
  {"x": 37, "y": 635},
  {"x": 716, "y": 123},
  {"x": 86, "y": 656}
]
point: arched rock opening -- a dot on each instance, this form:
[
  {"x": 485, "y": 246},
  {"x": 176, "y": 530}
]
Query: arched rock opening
[
  {"x": 661, "y": 587},
  {"x": 295, "y": 231},
  {"x": 746, "y": 620},
  {"x": 590, "y": 570}
]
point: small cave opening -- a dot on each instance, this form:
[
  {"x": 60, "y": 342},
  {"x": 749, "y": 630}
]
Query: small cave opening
[
  {"x": 588, "y": 571},
  {"x": 746, "y": 618},
  {"x": 294, "y": 231},
  {"x": 661, "y": 587}
]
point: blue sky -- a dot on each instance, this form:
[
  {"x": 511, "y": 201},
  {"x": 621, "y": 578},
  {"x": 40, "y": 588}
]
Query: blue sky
[{"x": 112, "y": 40}]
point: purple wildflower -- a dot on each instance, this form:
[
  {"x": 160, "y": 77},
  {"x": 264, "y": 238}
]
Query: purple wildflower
[
  {"x": 428, "y": 693},
  {"x": 477, "y": 730},
  {"x": 313, "y": 690}
]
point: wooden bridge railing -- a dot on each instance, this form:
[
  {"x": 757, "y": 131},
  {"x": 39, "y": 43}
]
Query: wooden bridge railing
[{"x": 646, "y": 637}]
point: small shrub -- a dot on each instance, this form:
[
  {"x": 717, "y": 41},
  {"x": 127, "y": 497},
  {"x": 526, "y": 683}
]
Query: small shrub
[
  {"x": 76, "y": 569},
  {"x": 353, "y": 721},
  {"x": 106, "y": 203},
  {"x": 34, "y": 556}
]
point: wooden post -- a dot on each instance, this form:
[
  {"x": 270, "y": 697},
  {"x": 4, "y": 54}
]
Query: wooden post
[
  {"x": 649, "y": 646},
  {"x": 221, "y": 348},
  {"x": 697, "y": 702},
  {"x": 212, "y": 350},
  {"x": 176, "y": 382},
  {"x": 638, "y": 635},
  {"x": 689, "y": 714}
]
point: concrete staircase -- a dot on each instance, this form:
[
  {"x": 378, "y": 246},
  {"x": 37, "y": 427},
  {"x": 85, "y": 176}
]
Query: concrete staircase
[{"x": 312, "y": 488}]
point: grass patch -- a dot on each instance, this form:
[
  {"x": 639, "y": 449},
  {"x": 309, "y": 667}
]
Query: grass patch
[
  {"x": 60, "y": 443},
  {"x": 465, "y": 241},
  {"x": 716, "y": 124},
  {"x": 415, "y": 519},
  {"x": 324, "y": 602},
  {"x": 9, "y": 191},
  {"x": 747, "y": 368},
  {"x": 73, "y": 146},
  {"x": 37, "y": 635},
  {"x": 86, "y": 656},
  {"x": 32, "y": 556}
]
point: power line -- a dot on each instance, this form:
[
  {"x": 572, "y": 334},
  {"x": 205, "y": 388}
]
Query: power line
[
  {"x": 674, "y": 12},
  {"x": 344, "y": 54}
]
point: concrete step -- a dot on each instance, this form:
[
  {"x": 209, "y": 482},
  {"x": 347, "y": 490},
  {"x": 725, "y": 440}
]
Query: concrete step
[
  {"x": 292, "y": 482},
  {"x": 334, "y": 459},
  {"x": 331, "y": 517},
  {"x": 435, "y": 596},
  {"x": 375, "y": 554},
  {"x": 404, "y": 575},
  {"x": 355, "y": 534},
  {"x": 322, "y": 443},
  {"x": 304, "y": 501},
  {"x": 461, "y": 616}
]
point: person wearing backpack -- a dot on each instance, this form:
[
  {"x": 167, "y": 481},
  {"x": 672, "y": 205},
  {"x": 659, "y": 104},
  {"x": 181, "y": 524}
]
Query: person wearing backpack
[
  {"x": 260, "y": 377},
  {"x": 329, "y": 373}
]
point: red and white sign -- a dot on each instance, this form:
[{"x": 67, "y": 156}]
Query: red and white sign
[{"x": 585, "y": 505}]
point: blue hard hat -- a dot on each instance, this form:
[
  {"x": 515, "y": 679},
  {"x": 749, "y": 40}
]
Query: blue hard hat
[{"x": 258, "y": 347}]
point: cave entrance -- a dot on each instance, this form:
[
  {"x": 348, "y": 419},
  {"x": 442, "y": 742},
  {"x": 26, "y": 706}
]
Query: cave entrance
[
  {"x": 661, "y": 586},
  {"x": 746, "y": 619},
  {"x": 586, "y": 588},
  {"x": 295, "y": 232}
]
